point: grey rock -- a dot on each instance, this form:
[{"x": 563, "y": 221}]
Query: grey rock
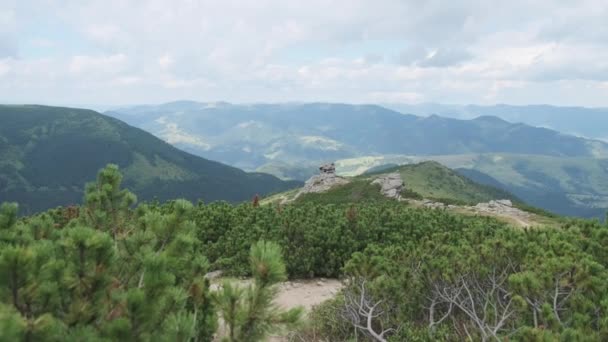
[
  {"x": 501, "y": 207},
  {"x": 322, "y": 182},
  {"x": 390, "y": 185},
  {"x": 214, "y": 274}
]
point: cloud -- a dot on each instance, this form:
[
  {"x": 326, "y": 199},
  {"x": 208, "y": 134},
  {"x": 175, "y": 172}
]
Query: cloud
[
  {"x": 4, "y": 67},
  {"x": 119, "y": 52},
  {"x": 98, "y": 64},
  {"x": 445, "y": 57},
  {"x": 8, "y": 40}
]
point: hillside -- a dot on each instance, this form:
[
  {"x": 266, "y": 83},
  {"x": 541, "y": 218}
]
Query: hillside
[
  {"x": 428, "y": 180},
  {"x": 47, "y": 154},
  {"x": 426, "y": 184},
  {"x": 568, "y": 186},
  {"x": 268, "y": 136}
]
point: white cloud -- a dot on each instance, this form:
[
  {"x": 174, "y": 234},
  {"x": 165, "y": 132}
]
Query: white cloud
[
  {"x": 106, "y": 64},
  {"x": 270, "y": 50},
  {"x": 165, "y": 61},
  {"x": 4, "y": 67},
  {"x": 8, "y": 40},
  {"x": 104, "y": 33}
]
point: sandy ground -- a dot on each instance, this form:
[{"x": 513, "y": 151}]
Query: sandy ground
[{"x": 305, "y": 293}]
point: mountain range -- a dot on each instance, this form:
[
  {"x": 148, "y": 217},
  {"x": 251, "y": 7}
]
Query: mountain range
[
  {"x": 47, "y": 154},
  {"x": 580, "y": 121},
  {"x": 289, "y": 140},
  {"x": 250, "y": 136}
]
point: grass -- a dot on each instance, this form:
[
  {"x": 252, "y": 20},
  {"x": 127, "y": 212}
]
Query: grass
[
  {"x": 357, "y": 191},
  {"x": 565, "y": 185}
]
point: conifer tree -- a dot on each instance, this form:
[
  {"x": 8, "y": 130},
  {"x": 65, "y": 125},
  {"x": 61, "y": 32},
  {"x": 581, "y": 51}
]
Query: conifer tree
[
  {"x": 110, "y": 273},
  {"x": 249, "y": 314}
]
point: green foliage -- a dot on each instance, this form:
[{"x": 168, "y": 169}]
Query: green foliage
[
  {"x": 357, "y": 191},
  {"x": 552, "y": 283},
  {"x": 320, "y": 238},
  {"x": 114, "y": 270},
  {"x": 249, "y": 313},
  {"x": 108, "y": 273}
]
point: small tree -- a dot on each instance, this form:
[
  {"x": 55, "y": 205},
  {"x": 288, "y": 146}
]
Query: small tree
[
  {"x": 106, "y": 204},
  {"x": 249, "y": 313}
]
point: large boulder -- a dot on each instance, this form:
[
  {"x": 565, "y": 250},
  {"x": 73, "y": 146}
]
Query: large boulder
[{"x": 391, "y": 185}]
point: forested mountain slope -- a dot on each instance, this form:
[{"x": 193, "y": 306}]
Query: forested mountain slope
[{"x": 48, "y": 153}]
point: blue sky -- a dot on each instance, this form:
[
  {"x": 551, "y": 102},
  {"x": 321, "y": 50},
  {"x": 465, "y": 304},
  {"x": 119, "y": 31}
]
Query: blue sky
[{"x": 116, "y": 52}]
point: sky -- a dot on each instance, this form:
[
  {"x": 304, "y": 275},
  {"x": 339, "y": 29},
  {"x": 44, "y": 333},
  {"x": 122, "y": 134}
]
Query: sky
[{"x": 119, "y": 52}]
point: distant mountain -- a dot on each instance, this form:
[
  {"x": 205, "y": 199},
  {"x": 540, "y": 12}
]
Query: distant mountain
[
  {"x": 253, "y": 136},
  {"x": 290, "y": 140},
  {"x": 47, "y": 154},
  {"x": 581, "y": 121},
  {"x": 568, "y": 186}
]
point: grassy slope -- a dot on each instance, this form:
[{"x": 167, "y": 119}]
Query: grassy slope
[
  {"x": 47, "y": 154},
  {"x": 565, "y": 185},
  {"x": 429, "y": 180},
  {"x": 357, "y": 191}
]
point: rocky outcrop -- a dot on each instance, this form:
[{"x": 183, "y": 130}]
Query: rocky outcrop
[
  {"x": 390, "y": 185},
  {"x": 322, "y": 183}
]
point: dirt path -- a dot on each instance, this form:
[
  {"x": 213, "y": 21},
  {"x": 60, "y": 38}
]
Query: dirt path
[{"x": 305, "y": 293}]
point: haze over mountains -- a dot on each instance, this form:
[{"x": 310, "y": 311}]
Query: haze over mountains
[
  {"x": 249, "y": 136},
  {"x": 581, "y": 121},
  {"x": 289, "y": 140}
]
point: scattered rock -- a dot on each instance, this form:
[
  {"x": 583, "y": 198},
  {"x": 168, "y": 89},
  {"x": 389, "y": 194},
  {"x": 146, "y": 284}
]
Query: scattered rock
[
  {"x": 214, "y": 274},
  {"x": 504, "y": 207},
  {"x": 390, "y": 185},
  {"x": 319, "y": 283},
  {"x": 432, "y": 204}
]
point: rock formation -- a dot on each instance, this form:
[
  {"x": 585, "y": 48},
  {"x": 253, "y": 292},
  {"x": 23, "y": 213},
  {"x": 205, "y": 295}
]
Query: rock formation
[
  {"x": 390, "y": 185},
  {"x": 324, "y": 181},
  {"x": 328, "y": 168}
]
